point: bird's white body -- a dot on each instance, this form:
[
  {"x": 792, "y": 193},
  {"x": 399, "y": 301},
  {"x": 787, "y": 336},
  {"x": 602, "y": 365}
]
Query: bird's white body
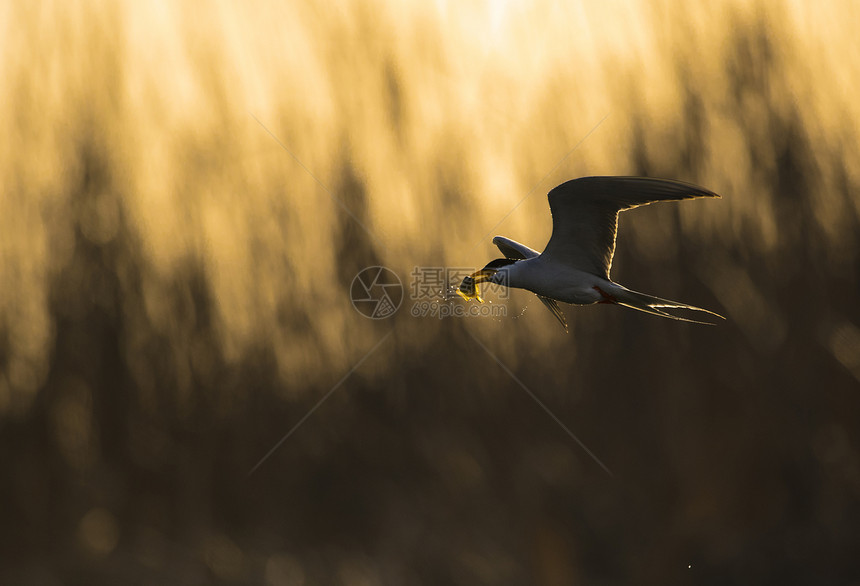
[
  {"x": 574, "y": 266},
  {"x": 556, "y": 281}
]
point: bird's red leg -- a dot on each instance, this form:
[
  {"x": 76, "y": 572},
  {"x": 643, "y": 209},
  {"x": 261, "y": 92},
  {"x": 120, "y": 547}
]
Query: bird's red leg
[{"x": 607, "y": 298}]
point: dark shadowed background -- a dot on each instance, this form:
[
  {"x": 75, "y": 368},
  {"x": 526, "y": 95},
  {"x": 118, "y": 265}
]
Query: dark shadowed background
[{"x": 188, "y": 190}]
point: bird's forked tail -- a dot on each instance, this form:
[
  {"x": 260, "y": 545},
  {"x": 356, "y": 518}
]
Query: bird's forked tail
[{"x": 657, "y": 305}]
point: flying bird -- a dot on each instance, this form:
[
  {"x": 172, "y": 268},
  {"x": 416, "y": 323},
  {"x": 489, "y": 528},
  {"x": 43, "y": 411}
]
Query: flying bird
[{"x": 574, "y": 266}]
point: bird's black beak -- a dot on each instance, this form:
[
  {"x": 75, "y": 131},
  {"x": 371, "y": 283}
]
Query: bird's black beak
[{"x": 469, "y": 287}]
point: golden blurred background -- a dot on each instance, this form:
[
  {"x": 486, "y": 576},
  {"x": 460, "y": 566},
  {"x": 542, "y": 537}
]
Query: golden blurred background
[{"x": 189, "y": 188}]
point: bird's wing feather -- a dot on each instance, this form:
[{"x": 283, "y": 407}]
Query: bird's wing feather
[
  {"x": 585, "y": 216},
  {"x": 513, "y": 249},
  {"x": 552, "y": 305}
]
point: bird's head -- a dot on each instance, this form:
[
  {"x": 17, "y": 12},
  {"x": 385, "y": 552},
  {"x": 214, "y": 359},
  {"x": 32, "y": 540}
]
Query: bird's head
[{"x": 494, "y": 272}]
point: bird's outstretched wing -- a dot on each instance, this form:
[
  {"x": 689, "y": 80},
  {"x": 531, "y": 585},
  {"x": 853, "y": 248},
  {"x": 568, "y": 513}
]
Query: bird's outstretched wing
[
  {"x": 552, "y": 305},
  {"x": 516, "y": 251},
  {"x": 585, "y": 216},
  {"x": 513, "y": 249}
]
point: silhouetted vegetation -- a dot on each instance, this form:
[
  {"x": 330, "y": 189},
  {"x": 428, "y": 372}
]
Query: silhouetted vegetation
[{"x": 176, "y": 297}]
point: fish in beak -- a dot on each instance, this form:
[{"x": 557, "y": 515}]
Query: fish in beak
[{"x": 469, "y": 287}]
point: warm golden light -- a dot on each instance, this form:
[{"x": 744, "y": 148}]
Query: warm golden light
[{"x": 188, "y": 190}]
